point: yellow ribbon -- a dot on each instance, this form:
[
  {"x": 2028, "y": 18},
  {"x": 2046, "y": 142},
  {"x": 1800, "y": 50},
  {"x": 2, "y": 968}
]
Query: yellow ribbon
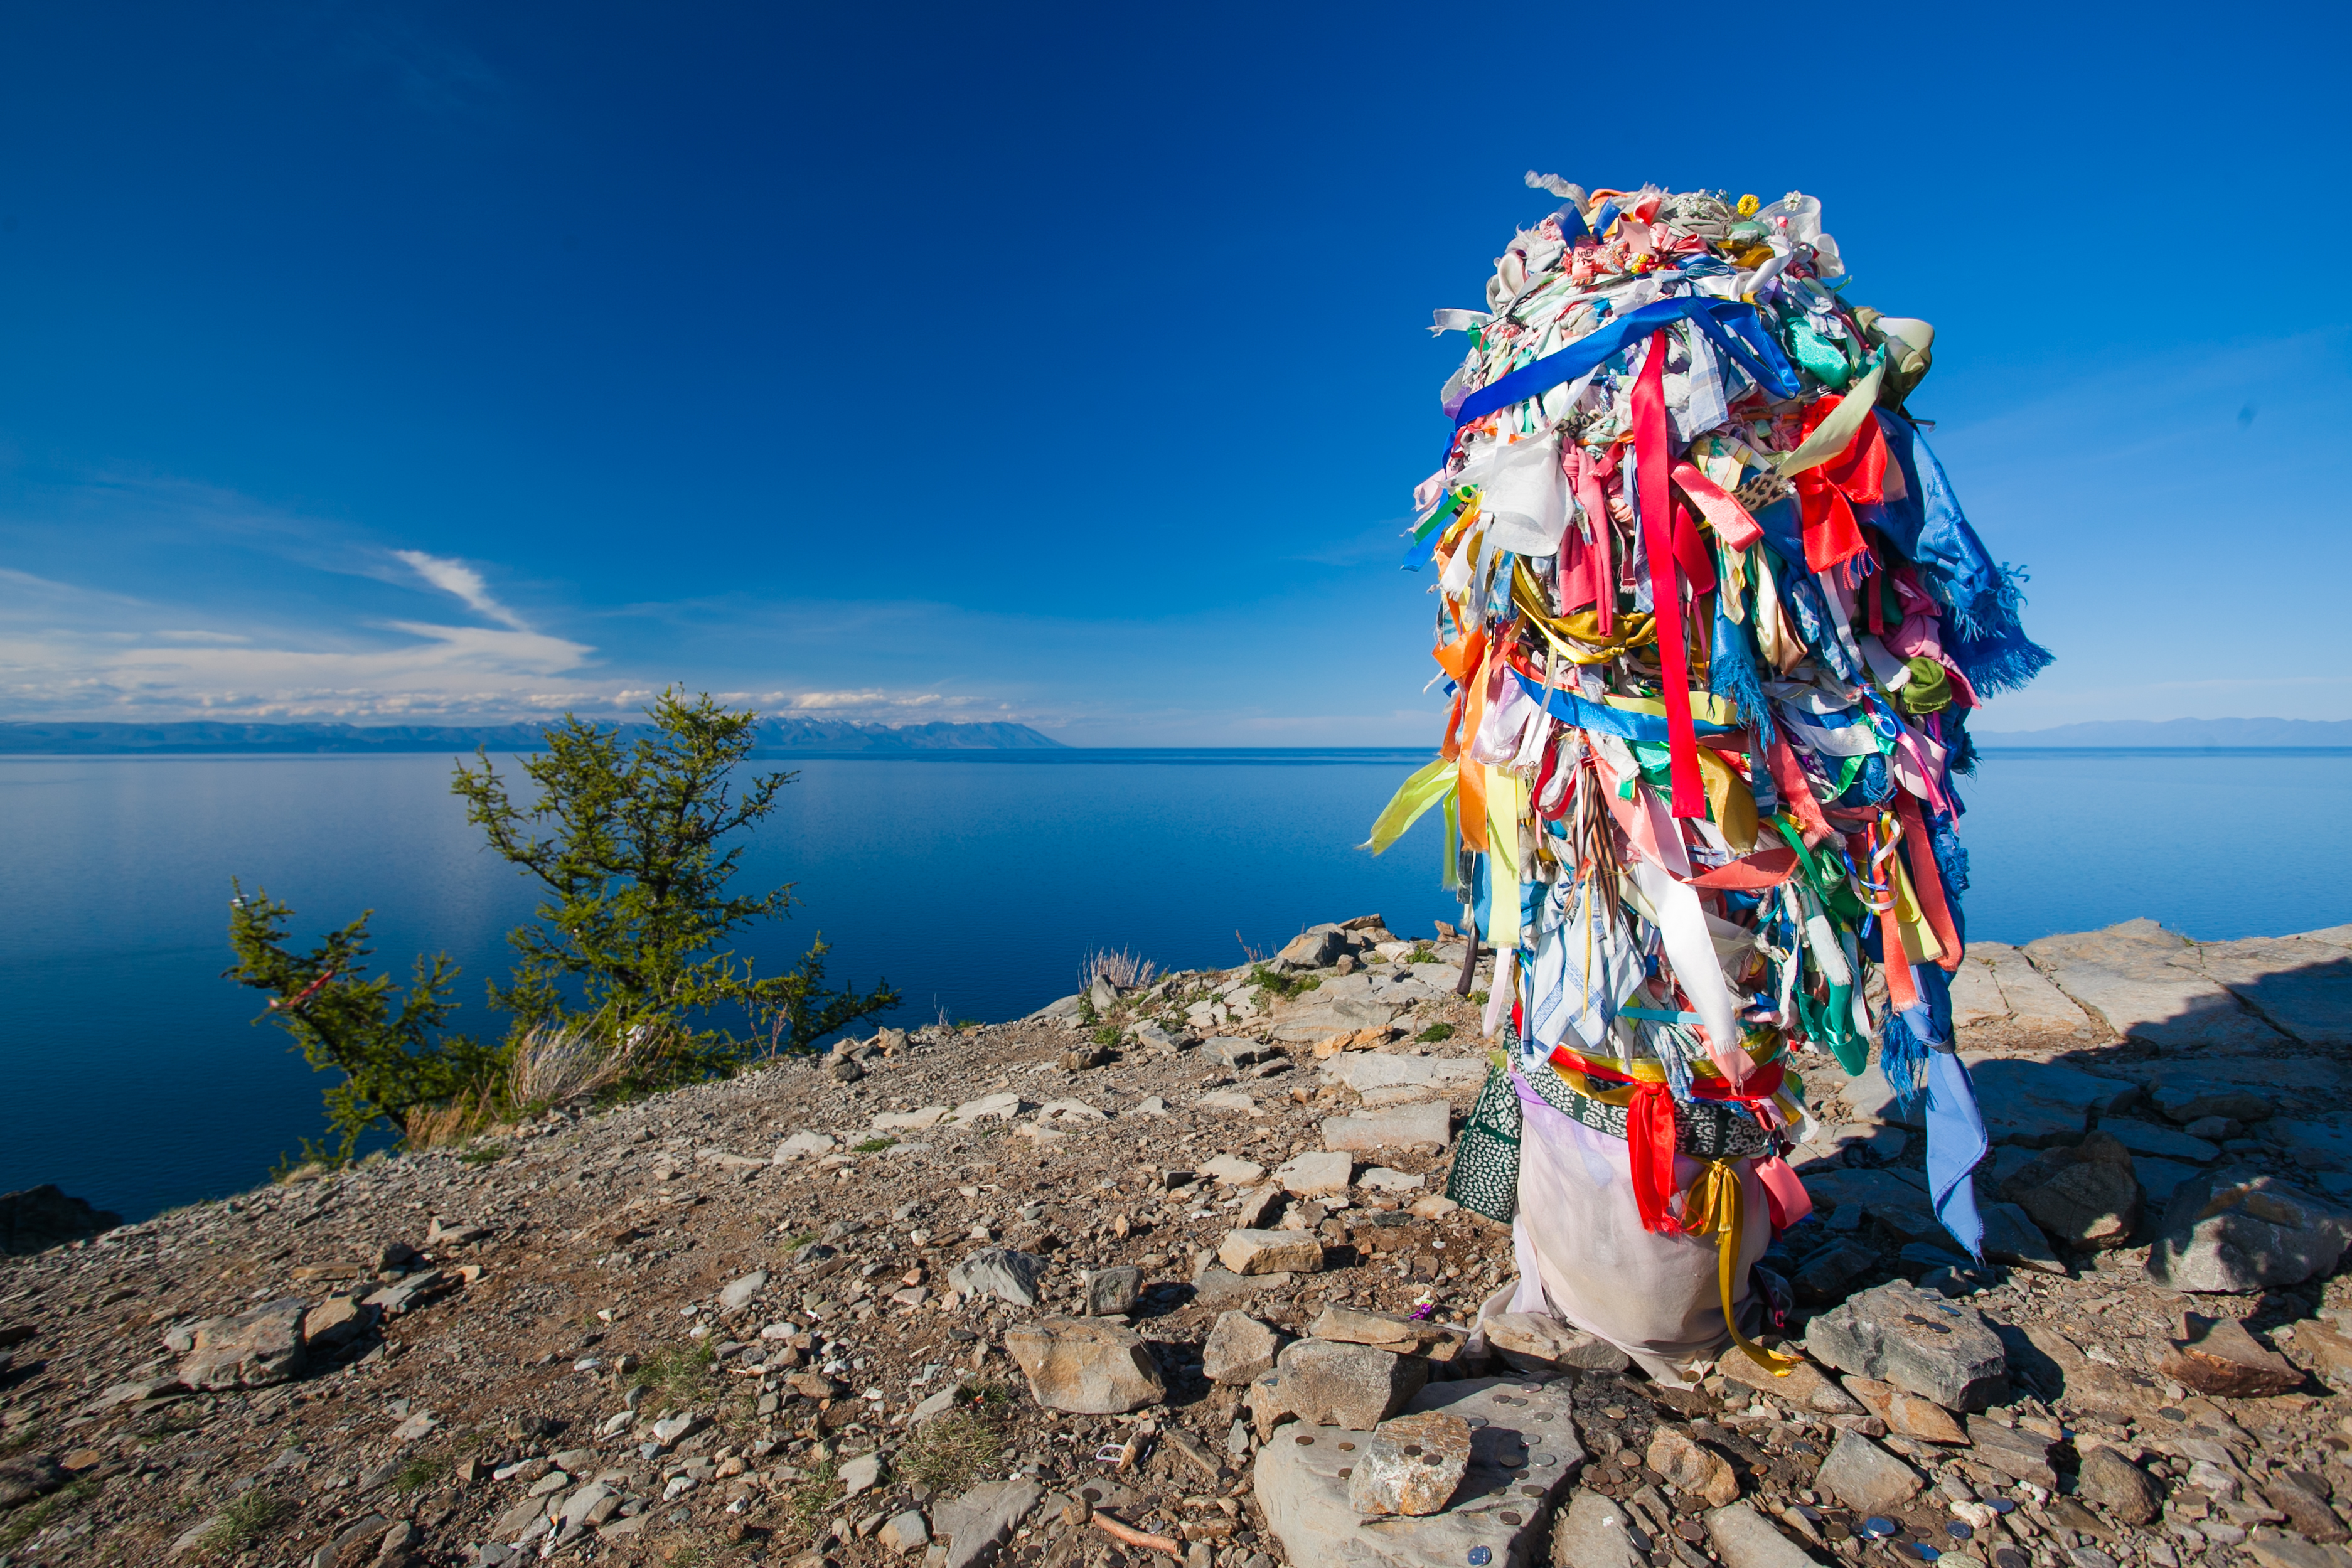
[
  {"x": 1578, "y": 637},
  {"x": 1712, "y": 1206},
  {"x": 1416, "y": 795}
]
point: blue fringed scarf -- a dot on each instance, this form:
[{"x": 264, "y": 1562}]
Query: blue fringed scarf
[
  {"x": 1980, "y": 598},
  {"x": 1731, "y": 673}
]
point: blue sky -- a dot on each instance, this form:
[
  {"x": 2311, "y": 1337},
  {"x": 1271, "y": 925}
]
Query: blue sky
[{"x": 386, "y": 362}]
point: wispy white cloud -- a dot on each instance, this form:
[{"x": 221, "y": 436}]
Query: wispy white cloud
[
  {"x": 456, "y": 577},
  {"x": 865, "y": 701},
  {"x": 70, "y": 650}
]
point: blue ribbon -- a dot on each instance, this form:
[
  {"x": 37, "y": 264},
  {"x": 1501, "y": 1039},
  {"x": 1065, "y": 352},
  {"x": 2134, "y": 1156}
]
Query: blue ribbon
[
  {"x": 1571, "y": 709},
  {"x": 1956, "y": 1142},
  {"x": 1731, "y": 324}
]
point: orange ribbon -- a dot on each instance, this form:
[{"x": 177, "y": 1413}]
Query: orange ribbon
[{"x": 1927, "y": 881}]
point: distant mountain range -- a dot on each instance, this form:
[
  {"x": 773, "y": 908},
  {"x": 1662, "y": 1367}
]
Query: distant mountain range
[
  {"x": 2191, "y": 733},
  {"x": 775, "y": 735}
]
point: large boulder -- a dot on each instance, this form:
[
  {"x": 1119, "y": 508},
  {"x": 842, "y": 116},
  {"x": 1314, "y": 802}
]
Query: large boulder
[
  {"x": 42, "y": 1217},
  {"x": 1086, "y": 1366},
  {"x": 1324, "y": 1384},
  {"x": 1239, "y": 1350},
  {"x": 1916, "y": 1341},
  {"x": 250, "y": 1350},
  {"x": 2085, "y": 1195},
  {"x": 1314, "y": 948},
  {"x": 2236, "y": 1230}
]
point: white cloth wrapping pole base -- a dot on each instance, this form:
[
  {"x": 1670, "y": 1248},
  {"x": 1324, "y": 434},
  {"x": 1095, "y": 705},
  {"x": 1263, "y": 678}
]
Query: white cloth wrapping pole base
[{"x": 1584, "y": 1259}]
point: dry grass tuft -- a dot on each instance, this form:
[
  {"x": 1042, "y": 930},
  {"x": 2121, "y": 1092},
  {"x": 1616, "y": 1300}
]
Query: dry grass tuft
[
  {"x": 948, "y": 1450},
  {"x": 553, "y": 1064},
  {"x": 1121, "y": 968}
]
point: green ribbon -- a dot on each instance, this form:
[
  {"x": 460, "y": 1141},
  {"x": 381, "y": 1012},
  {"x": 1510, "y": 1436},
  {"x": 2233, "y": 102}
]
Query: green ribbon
[{"x": 1819, "y": 355}]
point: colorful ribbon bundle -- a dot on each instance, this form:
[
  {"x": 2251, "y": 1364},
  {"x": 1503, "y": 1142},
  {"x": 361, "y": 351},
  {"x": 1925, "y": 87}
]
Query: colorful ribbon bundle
[{"x": 1713, "y": 624}]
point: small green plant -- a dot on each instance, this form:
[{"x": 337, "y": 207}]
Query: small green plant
[
  {"x": 249, "y": 1517},
  {"x": 484, "y": 1155},
  {"x": 679, "y": 1373},
  {"x": 1422, "y": 952},
  {"x": 967, "y": 1023},
  {"x": 1271, "y": 984},
  {"x": 947, "y": 1451},
  {"x": 1434, "y": 1033},
  {"x": 1086, "y": 1013},
  {"x": 1478, "y": 998},
  {"x": 804, "y": 1509},
  {"x": 1107, "y": 1035},
  {"x": 872, "y": 1146},
  {"x": 20, "y": 1526},
  {"x": 798, "y": 1239},
  {"x": 419, "y": 1473}
]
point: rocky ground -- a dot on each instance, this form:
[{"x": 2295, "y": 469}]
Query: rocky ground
[{"x": 1166, "y": 1274}]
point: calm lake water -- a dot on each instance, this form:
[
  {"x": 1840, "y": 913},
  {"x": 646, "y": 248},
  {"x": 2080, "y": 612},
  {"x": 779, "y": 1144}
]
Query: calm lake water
[{"x": 976, "y": 883}]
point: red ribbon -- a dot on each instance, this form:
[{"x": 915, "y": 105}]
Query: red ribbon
[
  {"x": 1658, "y": 541},
  {"x": 1650, "y": 1144},
  {"x": 1650, "y": 1129},
  {"x": 1825, "y": 492}
]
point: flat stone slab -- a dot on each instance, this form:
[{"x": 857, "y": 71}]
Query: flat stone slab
[
  {"x": 1745, "y": 1539},
  {"x": 983, "y": 1519},
  {"x": 1976, "y": 995},
  {"x": 2024, "y": 1099},
  {"x": 2072, "y": 1380},
  {"x": 1866, "y": 1477},
  {"x": 1318, "y": 1173},
  {"x": 1426, "y": 1124},
  {"x": 2031, "y": 1001},
  {"x": 2302, "y": 986},
  {"x": 1876, "y": 1190},
  {"x": 2155, "y": 1138},
  {"x": 1379, "y": 1077},
  {"x": 2161, "y": 1179},
  {"x": 2011, "y": 1237},
  {"x": 1916, "y": 1341},
  {"x": 1591, "y": 1532},
  {"x": 2313, "y": 1145},
  {"x": 1314, "y": 1019},
  {"x": 2146, "y": 983},
  {"x": 2037, "y": 1103},
  {"x": 1494, "y": 1518}
]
